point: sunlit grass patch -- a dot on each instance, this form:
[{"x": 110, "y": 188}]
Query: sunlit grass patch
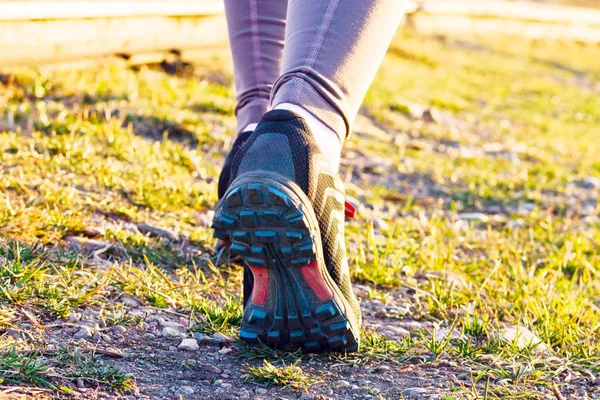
[
  {"x": 281, "y": 375},
  {"x": 92, "y": 371},
  {"x": 375, "y": 344},
  {"x": 24, "y": 369},
  {"x": 60, "y": 370}
]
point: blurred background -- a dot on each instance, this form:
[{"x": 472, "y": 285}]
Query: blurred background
[
  {"x": 43, "y": 32},
  {"x": 474, "y": 161}
]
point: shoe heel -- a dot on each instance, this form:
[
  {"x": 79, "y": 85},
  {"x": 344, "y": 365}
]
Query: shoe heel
[{"x": 292, "y": 303}]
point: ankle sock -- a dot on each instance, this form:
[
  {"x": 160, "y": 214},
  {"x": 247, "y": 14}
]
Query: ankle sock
[
  {"x": 250, "y": 127},
  {"x": 328, "y": 141}
]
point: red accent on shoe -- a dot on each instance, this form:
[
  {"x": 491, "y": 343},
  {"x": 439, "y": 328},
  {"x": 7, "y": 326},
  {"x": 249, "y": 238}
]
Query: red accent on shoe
[
  {"x": 312, "y": 275},
  {"x": 261, "y": 285},
  {"x": 349, "y": 210}
]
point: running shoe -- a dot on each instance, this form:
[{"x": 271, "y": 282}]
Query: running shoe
[{"x": 283, "y": 212}]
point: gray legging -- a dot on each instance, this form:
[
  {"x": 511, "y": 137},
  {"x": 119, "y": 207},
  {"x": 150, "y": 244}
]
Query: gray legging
[{"x": 323, "y": 56}]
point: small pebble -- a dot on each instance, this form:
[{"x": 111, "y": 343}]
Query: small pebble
[
  {"x": 341, "y": 383},
  {"x": 462, "y": 377},
  {"x": 523, "y": 338},
  {"x": 474, "y": 217},
  {"x": 170, "y": 332},
  {"x": 137, "y": 313},
  {"x": 188, "y": 345},
  {"x": 444, "y": 333},
  {"x": 119, "y": 329},
  {"x": 380, "y": 369},
  {"x": 83, "y": 333},
  {"x": 591, "y": 182},
  {"x": 154, "y": 231},
  {"x": 74, "y": 317},
  {"x": 213, "y": 369},
  {"x": 185, "y": 391},
  {"x": 129, "y": 301},
  {"x": 16, "y": 334},
  {"x": 223, "y": 339},
  {"x": 201, "y": 338},
  {"x": 225, "y": 351},
  {"x": 413, "y": 392}
]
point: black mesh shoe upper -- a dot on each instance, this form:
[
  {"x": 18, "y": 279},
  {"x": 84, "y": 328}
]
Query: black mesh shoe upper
[
  {"x": 224, "y": 181},
  {"x": 224, "y": 178}
]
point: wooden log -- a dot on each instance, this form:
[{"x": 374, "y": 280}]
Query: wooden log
[
  {"x": 64, "y": 40},
  {"x": 41, "y": 32},
  {"x": 31, "y": 10},
  {"x": 469, "y": 26},
  {"x": 519, "y": 19},
  {"x": 513, "y": 10}
]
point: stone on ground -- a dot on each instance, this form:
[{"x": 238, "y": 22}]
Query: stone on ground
[
  {"x": 188, "y": 345},
  {"x": 523, "y": 338}
]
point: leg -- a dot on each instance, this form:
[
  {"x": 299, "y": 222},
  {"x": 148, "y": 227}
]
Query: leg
[
  {"x": 333, "y": 49},
  {"x": 284, "y": 209},
  {"x": 256, "y": 32}
]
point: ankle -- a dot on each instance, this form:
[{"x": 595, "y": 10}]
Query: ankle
[
  {"x": 250, "y": 127},
  {"x": 326, "y": 138}
]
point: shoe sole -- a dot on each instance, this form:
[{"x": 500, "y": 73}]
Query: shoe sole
[{"x": 294, "y": 302}]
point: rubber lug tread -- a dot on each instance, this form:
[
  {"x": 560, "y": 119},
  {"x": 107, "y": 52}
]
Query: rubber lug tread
[{"x": 269, "y": 230}]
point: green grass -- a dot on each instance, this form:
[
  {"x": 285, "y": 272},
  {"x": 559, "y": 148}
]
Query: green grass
[
  {"x": 517, "y": 134},
  {"x": 60, "y": 371},
  {"x": 291, "y": 376},
  {"x": 93, "y": 372}
]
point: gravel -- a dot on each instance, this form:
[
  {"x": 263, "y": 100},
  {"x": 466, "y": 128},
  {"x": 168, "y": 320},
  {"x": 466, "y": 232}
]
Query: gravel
[
  {"x": 225, "y": 351},
  {"x": 414, "y": 392},
  {"x": 474, "y": 217},
  {"x": 86, "y": 244},
  {"x": 153, "y": 231},
  {"x": 129, "y": 301},
  {"x": 393, "y": 332},
  {"x": 17, "y": 334},
  {"x": 341, "y": 383},
  {"x": 169, "y": 332},
  {"x": 188, "y": 345},
  {"x": 201, "y": 338},
  {"x": 185, "y": 391},
  {"x": 591, "y": 182},
  {"x": 119, "y": 329},
  {"x": 83, "y": 333},
  {"x": 523, "y": 338},
  {"x": 223, "y": 339},
  {"x": 443, "y": 333}
]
